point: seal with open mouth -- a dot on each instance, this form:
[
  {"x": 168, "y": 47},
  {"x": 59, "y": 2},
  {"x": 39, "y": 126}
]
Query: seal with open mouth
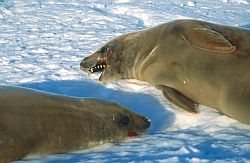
[
  {"x": 39, "y": 123},
  {"x": 193, "y": 62}
]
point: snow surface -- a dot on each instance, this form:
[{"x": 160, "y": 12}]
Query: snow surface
[{"x": 43, "y": 41}]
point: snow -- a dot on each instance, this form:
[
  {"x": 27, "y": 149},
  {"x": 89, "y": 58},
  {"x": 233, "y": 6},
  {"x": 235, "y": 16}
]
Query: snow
[{"x": 43, "y": 42}]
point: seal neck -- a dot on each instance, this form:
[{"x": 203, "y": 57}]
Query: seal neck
[
  {"x": 136, "y": 46},
  {"x": 147, "y": 42}
]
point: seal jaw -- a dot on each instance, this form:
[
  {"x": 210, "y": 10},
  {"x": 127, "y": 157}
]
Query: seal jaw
[
  {"x": 98, "y": 67},
  {"x": 133, "y": 133}
]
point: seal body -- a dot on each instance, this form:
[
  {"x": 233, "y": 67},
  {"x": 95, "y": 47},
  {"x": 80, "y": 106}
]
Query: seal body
[
  {"x": 193, "y": 62},
  {"x": 38, "y": 123}
]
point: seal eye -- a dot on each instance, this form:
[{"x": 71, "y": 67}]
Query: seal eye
[
  {"x": 123, "y": 121},
  {"x": 103, "y": 50}
]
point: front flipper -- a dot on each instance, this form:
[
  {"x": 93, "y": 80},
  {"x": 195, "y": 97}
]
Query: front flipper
[{"x": 179, "y": 99}]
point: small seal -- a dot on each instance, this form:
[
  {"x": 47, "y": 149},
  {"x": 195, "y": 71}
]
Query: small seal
[
  {"x": 39, "y": 123},
  {"x": 193, "y": 62}
]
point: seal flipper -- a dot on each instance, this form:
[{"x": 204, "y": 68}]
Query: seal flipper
[
  {"x": 179, "y": 99},
  {"x": 208, "y": 40}
]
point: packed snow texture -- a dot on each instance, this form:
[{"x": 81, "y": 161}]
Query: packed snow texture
[{"x": 43, "y": 41}]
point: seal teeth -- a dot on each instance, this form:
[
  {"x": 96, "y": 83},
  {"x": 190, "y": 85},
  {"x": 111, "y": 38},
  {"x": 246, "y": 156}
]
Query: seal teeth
[{"x": 100, "y": 66}]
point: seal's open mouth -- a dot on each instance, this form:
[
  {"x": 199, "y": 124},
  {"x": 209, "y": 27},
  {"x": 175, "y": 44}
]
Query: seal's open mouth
[
  {"x": 97, "y": 62},
  {"x": 98, "y": 67}
]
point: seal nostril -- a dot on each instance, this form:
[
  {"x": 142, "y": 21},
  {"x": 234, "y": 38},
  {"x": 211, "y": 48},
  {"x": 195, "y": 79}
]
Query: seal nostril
[{"x": 148, "y": 121}]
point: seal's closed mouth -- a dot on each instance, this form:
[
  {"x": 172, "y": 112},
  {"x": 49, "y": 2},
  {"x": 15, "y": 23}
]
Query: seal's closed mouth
[{"x": 132, "y": 133}]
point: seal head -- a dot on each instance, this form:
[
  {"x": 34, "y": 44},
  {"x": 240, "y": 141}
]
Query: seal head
[
  {"x": 116, "y": 121},
  {"x": 114, "y": 60}
]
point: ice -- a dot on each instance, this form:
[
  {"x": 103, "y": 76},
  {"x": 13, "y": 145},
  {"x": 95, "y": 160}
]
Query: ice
[{"x": 43, "y": 42}]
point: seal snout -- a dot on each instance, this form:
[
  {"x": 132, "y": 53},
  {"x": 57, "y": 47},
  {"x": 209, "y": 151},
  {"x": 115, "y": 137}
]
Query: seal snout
[
  {"x": 147, "y": 122},
  {"x": 82, "y": 64},
  {"x": 141, "y": 127},
  {"x": 144, "y": 125}
]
